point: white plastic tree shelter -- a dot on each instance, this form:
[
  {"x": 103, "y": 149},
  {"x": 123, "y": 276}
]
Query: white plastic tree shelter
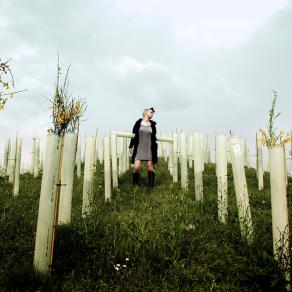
[
  {"x": 128, "y": 153},
  {"x": 247, "y": 156},
  {"x": 41, "y": 160},
  {"x": 159, "y": 152},
  {"x": 175, "y": 157},
  {"x": 183, "y": 161},
  {"x": 280, "y": 222},
  {"x": 113, "y": 144},
  {"x": 107, "y": 169},
  {"x": 78, "y": 156},
  {"x": 228, "y": 154},
  {"x": 67, "y": 178},
  {"x": 36, "y": 157},
  {"x": 100, "y": 151},
  {"x": 221, "y": 172},
  {"x": 170, "y": 158},
  {"x": 89, "y": 167},
  {"x": 242, "y": 199},
  {"x": 164, "y": 147},
  {"x": 12, "y": 161},
  {"x": 285, "y": 166},
  {"x": 83, "y": 152},
  {"x": 161, "y": 148},
  {"x": 120, "y": 170},
  {"x": 198, "y": 165},
  {"x": 259, "y": 162},
  {"x": 47, "y": 206},
  {"x": 95, "y": 147},
  {"x": 290, "y": 154},
  {"x": 178, "y": 145},
  {"x": 203, "y": 151},
  {"x": 6, "y": 156},
  {"x": 122, "y": 157},
  {"x": 207, "y": 151},
  {"x": 245, "y": 151},
  {"x": 190, "y": 151},
  {"x": 32, "y": 156},
  {"x": 125, "y": 155},
  {"x": 17, "y": 166}
]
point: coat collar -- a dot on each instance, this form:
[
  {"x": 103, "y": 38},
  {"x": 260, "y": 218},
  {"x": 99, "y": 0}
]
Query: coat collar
[{"x": 152, "y": 122}]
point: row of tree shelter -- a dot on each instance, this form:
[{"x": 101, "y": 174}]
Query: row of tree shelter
[{"x": 63, "y": 156}]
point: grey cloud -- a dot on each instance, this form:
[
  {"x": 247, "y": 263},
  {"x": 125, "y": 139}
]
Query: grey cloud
[{"x": 157, "y": 85}]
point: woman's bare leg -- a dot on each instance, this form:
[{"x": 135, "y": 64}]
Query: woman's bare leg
[
  {"x": 150, "y": 166},
  {"x": 137, "y": 165}
]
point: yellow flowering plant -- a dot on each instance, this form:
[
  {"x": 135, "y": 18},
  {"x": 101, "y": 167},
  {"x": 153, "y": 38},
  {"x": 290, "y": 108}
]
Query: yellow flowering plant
[
  {"x": 6, "y": 83},
  {"x": 270, "y": 138},
  {"x": 66, "y": 109}
]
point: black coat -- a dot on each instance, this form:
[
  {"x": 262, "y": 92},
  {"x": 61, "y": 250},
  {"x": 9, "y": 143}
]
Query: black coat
[{"x": 135, "y": 141}]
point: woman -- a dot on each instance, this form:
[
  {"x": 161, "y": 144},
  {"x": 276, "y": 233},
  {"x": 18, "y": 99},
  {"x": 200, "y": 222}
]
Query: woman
[{"x": 143, "y": 146}]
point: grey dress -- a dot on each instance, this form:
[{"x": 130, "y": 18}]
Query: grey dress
[{"x": 144, "y": 147}]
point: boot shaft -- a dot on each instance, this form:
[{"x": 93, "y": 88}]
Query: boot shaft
[
  {"x": 136, "y": 178},
  {"x": 151, "y": 179}
]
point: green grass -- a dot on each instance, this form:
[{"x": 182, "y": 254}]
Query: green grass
[{"x": 164, "y": 238}]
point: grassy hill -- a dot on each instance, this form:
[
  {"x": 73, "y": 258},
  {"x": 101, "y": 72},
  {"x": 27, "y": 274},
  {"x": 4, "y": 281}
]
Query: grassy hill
[{"x": 160, "y": 239}]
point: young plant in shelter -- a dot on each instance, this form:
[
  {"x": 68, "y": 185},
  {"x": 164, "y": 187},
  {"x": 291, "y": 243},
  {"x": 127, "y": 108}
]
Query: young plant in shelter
[
  {"x": 66, "y": 109},
  {"x": 270, "y": 138}
]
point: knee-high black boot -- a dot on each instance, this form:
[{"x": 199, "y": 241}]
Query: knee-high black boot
[
  {"x": 151, "y": 179},
  {"x": 136, "y": 179}
]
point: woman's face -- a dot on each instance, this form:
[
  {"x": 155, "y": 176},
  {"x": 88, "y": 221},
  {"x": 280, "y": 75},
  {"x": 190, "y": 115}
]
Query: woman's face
[{"x": 150, "y": 114}]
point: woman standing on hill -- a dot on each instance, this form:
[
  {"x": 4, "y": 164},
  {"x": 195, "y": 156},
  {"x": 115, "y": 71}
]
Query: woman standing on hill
[{"x": 143, "y": 146}]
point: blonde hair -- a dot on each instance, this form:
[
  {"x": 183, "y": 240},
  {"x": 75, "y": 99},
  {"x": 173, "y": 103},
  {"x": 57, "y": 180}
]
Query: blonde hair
[{"x": 145, "y": 111}]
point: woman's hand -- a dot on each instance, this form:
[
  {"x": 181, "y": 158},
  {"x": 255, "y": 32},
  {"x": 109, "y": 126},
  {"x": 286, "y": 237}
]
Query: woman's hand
[{"x": 131, "y": 150}]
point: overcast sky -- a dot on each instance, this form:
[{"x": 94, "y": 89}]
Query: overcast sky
[{"x": 208, "y": 65}]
